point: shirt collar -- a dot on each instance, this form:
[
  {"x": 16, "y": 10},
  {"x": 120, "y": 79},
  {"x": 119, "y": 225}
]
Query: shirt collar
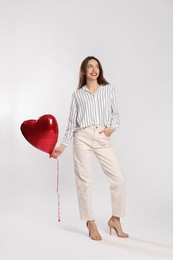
[{"x": 86, "y": 89}]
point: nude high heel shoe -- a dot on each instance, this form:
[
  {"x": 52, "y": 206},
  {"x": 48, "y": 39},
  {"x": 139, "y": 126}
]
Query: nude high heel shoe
[
  {"x": 93, "y": 231},
  {"x": 114, "y": 223}
]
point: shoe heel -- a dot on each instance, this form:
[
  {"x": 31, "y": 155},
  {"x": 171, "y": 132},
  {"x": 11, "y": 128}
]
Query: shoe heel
[{"x": 110, "y": 231}]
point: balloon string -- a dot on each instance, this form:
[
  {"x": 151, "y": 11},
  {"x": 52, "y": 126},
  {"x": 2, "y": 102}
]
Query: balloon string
[{"x": 58, "y": 195}]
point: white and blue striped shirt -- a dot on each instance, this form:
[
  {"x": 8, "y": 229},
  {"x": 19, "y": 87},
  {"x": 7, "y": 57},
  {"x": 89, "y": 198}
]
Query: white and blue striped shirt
[{"x": 87, "y": 109}]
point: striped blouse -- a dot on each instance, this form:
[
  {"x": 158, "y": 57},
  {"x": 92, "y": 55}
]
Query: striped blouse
[{"x": 87, "y": 109}]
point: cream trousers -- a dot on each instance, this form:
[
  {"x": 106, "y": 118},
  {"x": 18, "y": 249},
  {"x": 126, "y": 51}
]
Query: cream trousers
[{"x": 85, "y": 142}]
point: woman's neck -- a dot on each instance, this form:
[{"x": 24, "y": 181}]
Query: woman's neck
[{"x": 92, "y": 85}]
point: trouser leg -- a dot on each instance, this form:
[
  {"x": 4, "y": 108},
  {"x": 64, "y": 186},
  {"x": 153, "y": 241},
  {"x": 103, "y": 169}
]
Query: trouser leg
[
  {"x": 111, "y": 168},
  {"x": 82, "y": 168}
]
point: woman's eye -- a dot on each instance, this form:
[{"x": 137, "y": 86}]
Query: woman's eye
[{"x": 91, "y": 67}]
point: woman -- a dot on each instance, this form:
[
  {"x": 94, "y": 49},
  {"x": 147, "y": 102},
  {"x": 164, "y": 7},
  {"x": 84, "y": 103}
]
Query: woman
[{"x": 93, "y": 118}]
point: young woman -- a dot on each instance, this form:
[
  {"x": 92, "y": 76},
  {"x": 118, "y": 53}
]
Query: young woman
[{"x": 93, "y": 118}]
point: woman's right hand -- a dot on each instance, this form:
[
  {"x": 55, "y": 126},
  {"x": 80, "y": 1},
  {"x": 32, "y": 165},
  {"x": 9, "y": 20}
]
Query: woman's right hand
[{"x": 57, "y": 151}]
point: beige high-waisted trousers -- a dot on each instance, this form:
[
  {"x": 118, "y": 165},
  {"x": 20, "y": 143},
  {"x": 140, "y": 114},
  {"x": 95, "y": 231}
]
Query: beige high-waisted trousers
[{"x": 86, "y": 141}]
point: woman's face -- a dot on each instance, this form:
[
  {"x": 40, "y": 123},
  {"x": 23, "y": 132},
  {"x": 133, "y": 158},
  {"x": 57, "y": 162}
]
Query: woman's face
[{"x": 92, "y": 70}]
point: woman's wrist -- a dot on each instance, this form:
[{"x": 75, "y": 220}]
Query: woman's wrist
[{"x": 62, "y": 147}]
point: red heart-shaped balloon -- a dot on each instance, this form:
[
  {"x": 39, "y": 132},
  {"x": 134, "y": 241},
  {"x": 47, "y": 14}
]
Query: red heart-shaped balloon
[{"x": 41, "y": 133}]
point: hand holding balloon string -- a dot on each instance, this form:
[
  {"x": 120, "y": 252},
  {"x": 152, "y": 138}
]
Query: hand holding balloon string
[{"x": 57, "y": 151}]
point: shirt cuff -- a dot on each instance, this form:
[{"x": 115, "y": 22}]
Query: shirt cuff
[{"x": 65, "y": 143}]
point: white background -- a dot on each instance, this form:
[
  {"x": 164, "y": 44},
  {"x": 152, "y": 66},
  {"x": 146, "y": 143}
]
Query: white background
[{"x": 42, "y": 46}]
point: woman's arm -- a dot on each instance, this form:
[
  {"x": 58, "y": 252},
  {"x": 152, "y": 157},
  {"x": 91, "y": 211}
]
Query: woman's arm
[
  {"x": 71, "y": 122},
  {"x": 69, "y": 131},
  {"x": 115, "y": 121}
]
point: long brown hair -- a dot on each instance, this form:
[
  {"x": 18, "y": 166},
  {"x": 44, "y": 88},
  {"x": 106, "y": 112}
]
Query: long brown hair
[{"x": 82, "y": 78}]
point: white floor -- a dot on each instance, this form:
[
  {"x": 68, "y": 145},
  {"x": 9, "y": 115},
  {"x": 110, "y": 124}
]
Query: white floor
[{"x": 30, "y": 231}]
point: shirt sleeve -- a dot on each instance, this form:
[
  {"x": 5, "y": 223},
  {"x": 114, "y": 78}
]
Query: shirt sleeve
[
  {"x": 115, "y": 121},
  {"x": 71, "y": 122}
]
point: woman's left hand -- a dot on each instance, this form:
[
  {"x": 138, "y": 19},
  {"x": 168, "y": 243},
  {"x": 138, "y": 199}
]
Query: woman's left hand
[{"x": 107, "y": 131}]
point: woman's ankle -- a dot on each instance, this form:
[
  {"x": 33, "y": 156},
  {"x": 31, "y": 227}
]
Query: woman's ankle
[
  {"x": 114, "y": 218},
  {"x": 90, "y": 221}
]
